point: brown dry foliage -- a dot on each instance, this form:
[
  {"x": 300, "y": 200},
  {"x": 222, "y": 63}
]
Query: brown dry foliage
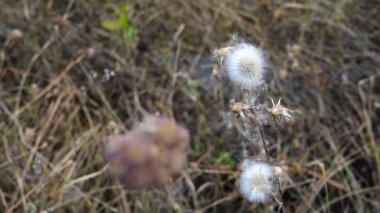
[{"x": 54, "y": 115}]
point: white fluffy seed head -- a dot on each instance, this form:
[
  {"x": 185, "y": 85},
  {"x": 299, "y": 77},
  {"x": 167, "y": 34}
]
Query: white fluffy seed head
[
  {"x": 245, "y": 65},
  {"x": 256, "y": 181}
]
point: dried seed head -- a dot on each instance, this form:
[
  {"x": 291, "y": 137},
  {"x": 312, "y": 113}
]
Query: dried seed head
[
  {"x": 245, "y": 65},
  {"x": 149, "y": 155},
  {"x": 279, "y": 112},
  {"x": 257, "y": 181}
]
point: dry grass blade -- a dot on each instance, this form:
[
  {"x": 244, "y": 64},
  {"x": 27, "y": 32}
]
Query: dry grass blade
[{"x": 74, "y": 72}]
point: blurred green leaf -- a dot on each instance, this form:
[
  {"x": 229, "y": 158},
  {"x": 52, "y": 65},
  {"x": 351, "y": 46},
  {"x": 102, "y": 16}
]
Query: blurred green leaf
[
  {"x": 123, "y": 22},
  {"x": 123, "y": 8},
  {"x": 131, "y": 33},
  {"x": 225, "y": 158},
  {"x": 110, "y": 25}
]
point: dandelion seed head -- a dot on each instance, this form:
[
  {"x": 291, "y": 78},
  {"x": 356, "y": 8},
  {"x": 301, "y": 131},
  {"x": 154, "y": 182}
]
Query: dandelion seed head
[
  {"x": 245, "y": 65},
  {"x": 256, "y": 181}
]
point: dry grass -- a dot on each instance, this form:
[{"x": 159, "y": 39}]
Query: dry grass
[{"x": 55, "y": 114}]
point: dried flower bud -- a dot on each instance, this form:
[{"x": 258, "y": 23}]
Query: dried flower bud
[
  {"x": 149, "y": 155},
  {"x": 279, "y": 112},
  {"x": 90, "y": 52},
  {"x": 221, "y": 53},
  {"x": 15, "y": 34},
  {"x": 238, "y": 107},
  {"x": 218, "y": 57}
]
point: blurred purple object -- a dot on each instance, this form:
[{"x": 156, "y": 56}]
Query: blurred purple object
[{"x": 149, "y": 155}]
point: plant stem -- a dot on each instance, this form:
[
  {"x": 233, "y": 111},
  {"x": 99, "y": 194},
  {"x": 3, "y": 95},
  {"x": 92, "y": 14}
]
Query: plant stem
[{"x": 262, "y": 139}]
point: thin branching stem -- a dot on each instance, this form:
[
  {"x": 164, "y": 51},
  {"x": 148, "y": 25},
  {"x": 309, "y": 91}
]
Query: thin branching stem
[{"x": 263, "y": 141}]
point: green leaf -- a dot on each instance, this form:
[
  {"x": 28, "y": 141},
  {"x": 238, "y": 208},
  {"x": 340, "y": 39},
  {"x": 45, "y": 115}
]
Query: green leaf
[
  {"x": 123, "y": 21},
  {"x": 124, "y": 8},
  {"x": 225, "y": 158},
  {"x": 131, "y": 33},
  {"x": 110, "y": 25}
]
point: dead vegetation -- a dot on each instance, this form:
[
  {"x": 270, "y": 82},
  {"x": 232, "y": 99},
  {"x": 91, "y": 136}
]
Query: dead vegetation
[{"x": 67, "y": 82}]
